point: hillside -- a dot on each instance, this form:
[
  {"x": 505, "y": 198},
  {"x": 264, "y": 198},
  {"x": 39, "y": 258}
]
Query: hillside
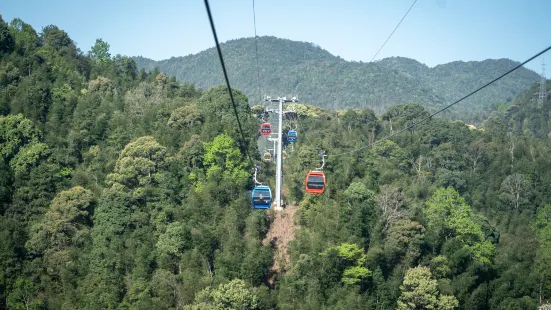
[
  {"x": 314, "y": 75},
  {"x": 122, "y": 189},
  {"x": 523, "y": 115}
]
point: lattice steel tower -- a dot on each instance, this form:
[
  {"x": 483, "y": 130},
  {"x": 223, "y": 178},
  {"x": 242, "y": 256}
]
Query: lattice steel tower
[{"x": 543, "y": 89}]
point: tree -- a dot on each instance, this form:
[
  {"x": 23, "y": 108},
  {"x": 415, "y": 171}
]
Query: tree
[
  {"x": 134, "y": 203},
  {"x": 137, "y": 163},
  {"x": 184, "y": 117},
  {"x": 352, "y": 261},
  {"x": 357, "y": 191},
  {"x": 475, "y": 153},
  {"x": 232, "y": 296},
  {"x": 23, "y": 296},
  {"x": 16, "y": 131},
  {"x": 419, "y": 291},
  {"x": 164, "y": 288},
  {"x": 65, "y": 225},
  {"x": 100, "y": 51},
  {"x": 7, "y": 42},
  {"x": 29, "y": 156},
  {"x": 126, "y": 67},
  {"x": 26, "y": 42},
  {"x": 404, "y": 237},
  {"x": 174, "y": 241},
  {"x": 542, "y": 267},
  {"x": 144, "y": 100},
  {"x": 223, "y": 158},
  {"x": 388, "y": 148},
  {"x": 59, "y": 40},
  {"x": 449, "y": 216},
  {"x": 219, "y": 118},
  {"x": 390, "y": 203},
  {"x": 516, "y": 189},
  {"x": 5, "y": 186}
]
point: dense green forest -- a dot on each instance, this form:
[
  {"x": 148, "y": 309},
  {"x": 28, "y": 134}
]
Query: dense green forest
[
  {"x": 123, "y": 189},
  {"x": 314, "y": 75}
]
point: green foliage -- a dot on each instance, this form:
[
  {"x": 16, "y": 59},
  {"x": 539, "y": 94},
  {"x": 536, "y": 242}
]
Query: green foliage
[
  {"x": 137, "y": 162},
  {"x": 184, "y": 117},
  {"x": 419, "y": 291},
  {"x": 234, "y": 295},
  {"x": 358, "y": 191},
  {"x": 223, "y": 159},
  {"x": 6, "y": 40},
  {"x": 353, "y": 259},
  {"x": 353, "y": 275},
  {"x": 100, "y": 51},
  {"x": 64, "y": 226},
  {"x": 404, "y": 238},
  {"x": 56, "y": 38},
  {"x": 450, "y": 217},
  {"x": 542, "y": 225},
  {"x": 351, "y": 253},
  {"x": 173, "y": 241},
  {"x": 122, "y": 189},
  {"x": 23, "y": 296},
  {"x": 15, "y": 132},
  {"x": 29, "y": 156}
]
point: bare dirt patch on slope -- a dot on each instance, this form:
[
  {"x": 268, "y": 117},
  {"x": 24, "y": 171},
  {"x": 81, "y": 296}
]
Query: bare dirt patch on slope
[{"x": 281, "y": 233}]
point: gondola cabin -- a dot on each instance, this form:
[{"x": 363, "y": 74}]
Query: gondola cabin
[
  {"x": 265, "y": 129},
  {"x": 262, "y": 197},
  {"x": 292, "y": 136},
  {"x": 267, "y": 157},
  {"x": 315, "y": 182}
]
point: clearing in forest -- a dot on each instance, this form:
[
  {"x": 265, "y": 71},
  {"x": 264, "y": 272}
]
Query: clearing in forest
[{"x": 281, "y": 232}]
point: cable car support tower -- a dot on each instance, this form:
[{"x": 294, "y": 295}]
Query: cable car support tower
[
  {"x": 543, "y": 91},
  {"x": 278, "y": 203}
]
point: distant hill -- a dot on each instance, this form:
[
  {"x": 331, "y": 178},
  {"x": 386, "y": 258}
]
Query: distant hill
[
  {"x": 316, "y": 76},
  {"x": 524, "y": 115}
]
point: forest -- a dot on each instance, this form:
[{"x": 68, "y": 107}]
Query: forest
[
  {"x": 303, "y": 69},
  {"x": 122, "y": 188}
]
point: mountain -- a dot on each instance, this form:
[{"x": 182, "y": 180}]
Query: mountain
[{"x": 316, "y": 76}]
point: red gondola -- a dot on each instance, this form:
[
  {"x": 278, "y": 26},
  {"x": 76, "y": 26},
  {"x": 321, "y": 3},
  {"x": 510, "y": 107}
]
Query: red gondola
[
  {"x": 315, "y": 182},
  {"x": 265, "y": 129}
]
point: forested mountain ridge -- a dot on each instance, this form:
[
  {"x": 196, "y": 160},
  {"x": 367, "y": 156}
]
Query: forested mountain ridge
[
  {"x": 314, "y": 75},
  {"x": 122, "y": 189}
]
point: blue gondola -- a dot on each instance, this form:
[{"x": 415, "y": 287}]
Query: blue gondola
[
  {"x": 262, "y": 197},
  {"x": 292, "y": 136}
]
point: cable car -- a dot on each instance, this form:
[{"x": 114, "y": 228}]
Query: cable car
[
  {"x": 292, "y": 136},
  {"x": 261, "y": 197},
  {"x": 265, "y": 129},
  {"x": 315, "y": 182},
  {"x": 267, "y": 156}
]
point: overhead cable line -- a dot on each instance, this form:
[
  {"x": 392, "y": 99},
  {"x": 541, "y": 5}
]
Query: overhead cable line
[
  {"x": 256, "y": 53},
  {"x": 228, "y": 83},
  {"x": 393, "y": 31},
  {"x": 412, "y": 125}
]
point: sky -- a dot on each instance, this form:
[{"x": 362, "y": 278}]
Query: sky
[{"x": 434, "y": 32}]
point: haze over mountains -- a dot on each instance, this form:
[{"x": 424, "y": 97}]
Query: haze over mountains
[{"x": 316, "y": 76}]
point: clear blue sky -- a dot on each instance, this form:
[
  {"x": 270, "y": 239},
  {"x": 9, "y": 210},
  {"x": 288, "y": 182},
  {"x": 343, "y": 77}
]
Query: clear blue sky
[{"x": 434, "y": 32}]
